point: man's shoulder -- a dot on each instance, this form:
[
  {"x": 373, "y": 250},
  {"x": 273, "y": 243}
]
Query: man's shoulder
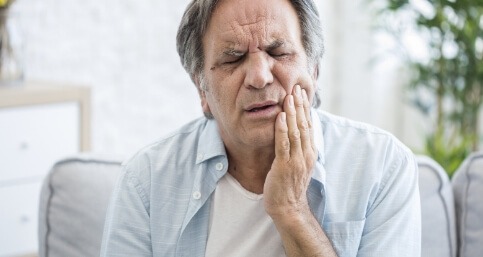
[
  {"x": 370, "y": 156},
  {"x": 331, "y": 121},
  {"x": 344, "y": 129},
  {"x": 179, "y": 144}
]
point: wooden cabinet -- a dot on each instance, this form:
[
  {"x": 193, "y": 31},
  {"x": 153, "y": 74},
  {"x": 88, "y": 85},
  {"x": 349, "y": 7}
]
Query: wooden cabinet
[{"x": 39, "y": 124}]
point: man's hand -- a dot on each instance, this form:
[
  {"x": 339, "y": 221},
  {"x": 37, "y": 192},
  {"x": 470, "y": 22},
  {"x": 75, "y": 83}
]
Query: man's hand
[
  {"x": 285, "y": 189},
  {"x": 295, "y": 154}
]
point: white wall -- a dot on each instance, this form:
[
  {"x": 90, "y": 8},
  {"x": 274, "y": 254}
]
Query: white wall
[{"x": 125, "y": 50}]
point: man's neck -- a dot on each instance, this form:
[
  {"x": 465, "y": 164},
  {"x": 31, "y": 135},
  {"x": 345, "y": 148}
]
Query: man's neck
[{"x": 250, "y": 166}]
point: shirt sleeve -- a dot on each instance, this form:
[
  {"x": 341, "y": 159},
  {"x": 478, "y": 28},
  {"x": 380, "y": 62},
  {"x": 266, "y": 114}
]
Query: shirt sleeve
[
  {"x": 393, "y": 221},
  {"x": 126, "y": 229}
]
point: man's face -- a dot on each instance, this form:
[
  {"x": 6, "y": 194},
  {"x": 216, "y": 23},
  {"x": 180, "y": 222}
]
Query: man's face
[{"x": 253, "y": 58}]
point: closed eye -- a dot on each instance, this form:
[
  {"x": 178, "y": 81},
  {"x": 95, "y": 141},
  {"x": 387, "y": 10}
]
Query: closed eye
[
  {"x": 233, "y": 61},
  {"x": 278, "y": 55},
  {"x": 232, "y": 56}
]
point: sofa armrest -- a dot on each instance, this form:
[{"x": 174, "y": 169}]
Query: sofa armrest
[{"x": 73, "y": 204}]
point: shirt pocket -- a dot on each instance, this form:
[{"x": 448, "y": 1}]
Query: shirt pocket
[{"x": 345, "y": 236}]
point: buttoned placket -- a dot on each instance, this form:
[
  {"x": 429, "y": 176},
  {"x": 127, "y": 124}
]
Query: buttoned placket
[{"x": 211, "y": 171}]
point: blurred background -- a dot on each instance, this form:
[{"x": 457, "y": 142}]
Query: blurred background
[
  {"x": 410, "y": 67},
  {"x": 125, "y": 52}
]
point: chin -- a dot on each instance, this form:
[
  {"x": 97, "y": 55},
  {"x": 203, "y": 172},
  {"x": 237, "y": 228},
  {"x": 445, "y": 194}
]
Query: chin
[{"x": 262, "y": 137}]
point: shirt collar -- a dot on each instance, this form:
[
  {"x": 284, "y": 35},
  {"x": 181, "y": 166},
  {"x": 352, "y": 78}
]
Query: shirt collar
[{"x": 210, "y": 144}]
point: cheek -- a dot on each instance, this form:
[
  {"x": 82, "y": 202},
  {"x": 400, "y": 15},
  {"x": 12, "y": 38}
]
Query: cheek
[
  {"x": 222, "y": 95},
  {"x": 291, "y": 75},
  {"x": 228, "y": 84}
]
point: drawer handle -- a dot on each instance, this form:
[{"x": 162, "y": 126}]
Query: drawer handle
[
  {"x": 24, "y": 219},
  {"x": 24, "y": 146}
]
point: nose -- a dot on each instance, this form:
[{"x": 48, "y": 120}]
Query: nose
[{"x": 258, "y": 71}]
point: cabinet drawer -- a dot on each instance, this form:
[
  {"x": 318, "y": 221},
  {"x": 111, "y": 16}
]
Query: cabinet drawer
[
  {"x": 33, "y": 137},
  {"x": 19, "y": 219}
]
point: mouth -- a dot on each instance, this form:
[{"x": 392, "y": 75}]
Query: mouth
[{"x": 259, "y": 107}]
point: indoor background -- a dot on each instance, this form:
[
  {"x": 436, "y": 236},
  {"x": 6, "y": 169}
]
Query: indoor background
[{"x": 124, "y": 50}]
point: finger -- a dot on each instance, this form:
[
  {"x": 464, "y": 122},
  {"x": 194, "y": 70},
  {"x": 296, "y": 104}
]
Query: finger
[
  {"x": 307, "y": 108},
  {"x": 282, "y": 142},
  {"x": 302, "y": 122},
  {"x": 308, "y": 116},
  {"x": 293, "y": 131}
]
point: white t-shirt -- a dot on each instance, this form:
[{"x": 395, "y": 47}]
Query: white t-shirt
[{"x": 239, "y": 225}]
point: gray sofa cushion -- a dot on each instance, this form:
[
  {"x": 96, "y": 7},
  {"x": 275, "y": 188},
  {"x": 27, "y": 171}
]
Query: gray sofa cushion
[
  {"x": 437, "y": 210},
  {"x": 468, "y": 192},
  {"x": 73, "y": 205}
]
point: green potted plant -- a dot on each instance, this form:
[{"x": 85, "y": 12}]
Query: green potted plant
[{"x": 446, "y": 85}]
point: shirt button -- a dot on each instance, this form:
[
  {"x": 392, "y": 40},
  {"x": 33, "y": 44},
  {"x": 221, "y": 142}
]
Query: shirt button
[
  {"x": 199, "y": 157},
  {"x": 197, "y": 195},
  {"x": 219, "y": 166}
]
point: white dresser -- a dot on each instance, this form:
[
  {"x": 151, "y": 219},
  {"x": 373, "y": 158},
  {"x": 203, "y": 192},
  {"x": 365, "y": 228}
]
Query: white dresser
[{"x": 39, "y": 124}]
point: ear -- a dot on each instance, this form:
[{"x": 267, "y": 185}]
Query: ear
[
  {"x": 315, "y": 73},
  {"x": 202, "y": 93}
]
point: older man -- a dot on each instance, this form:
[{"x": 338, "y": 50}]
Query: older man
[{"x": 263, "y": 174}]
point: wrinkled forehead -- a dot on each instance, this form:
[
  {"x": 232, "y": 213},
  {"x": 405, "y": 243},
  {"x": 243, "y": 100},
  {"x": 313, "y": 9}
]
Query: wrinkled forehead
[
  {"x": 247, "y": 10},
  {"x": 245, "y": 21}
]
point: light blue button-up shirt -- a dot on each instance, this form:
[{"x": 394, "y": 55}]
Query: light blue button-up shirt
[{"x": 364, "y": 192}]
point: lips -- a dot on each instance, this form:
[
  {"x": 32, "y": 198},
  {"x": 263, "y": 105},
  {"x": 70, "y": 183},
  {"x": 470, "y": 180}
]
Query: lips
[
  {"x": 260, "y": 108},
  {"x": 257, "y": 107}
]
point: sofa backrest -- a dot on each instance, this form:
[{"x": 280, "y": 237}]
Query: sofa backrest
[
  {"x": 468, "y": 192},
  {"x": 73, "y": 205},
  {"x": 437, "y": 210}
]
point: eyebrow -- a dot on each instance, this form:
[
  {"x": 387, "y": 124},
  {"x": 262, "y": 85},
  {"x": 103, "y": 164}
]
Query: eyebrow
[
  {"x": 233, "y": 52},
  {"x": 237, "y": 53},
  {"x": 275, "y": 44}
]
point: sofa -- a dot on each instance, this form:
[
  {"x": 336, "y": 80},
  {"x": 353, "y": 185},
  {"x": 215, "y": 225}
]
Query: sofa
[
  {"x": 73, "y": 203},
  {"x": 75, "y": 196}
]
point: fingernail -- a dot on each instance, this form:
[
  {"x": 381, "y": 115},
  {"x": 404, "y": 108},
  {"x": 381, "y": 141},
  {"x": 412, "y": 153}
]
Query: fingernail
[
  {"x": 297, "y": 91},
  {"x": 290, "y": 100},
  {"x": 282, "y": 117},
  {"x": 304, "y": 95}
]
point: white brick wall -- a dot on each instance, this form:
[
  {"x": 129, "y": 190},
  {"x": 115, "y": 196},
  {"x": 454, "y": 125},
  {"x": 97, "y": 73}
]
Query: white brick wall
[{"x": 125, "y": 50}]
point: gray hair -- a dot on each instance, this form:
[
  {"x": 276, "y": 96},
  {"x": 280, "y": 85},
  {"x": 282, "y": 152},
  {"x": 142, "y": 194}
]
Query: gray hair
[{"x": 196, "y": 17}]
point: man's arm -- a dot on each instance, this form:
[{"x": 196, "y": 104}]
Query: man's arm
[
  {"x": 126, "y": 229},
  {"x": 285, "y": 190},
  {"x": 393, "y": 221}
]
